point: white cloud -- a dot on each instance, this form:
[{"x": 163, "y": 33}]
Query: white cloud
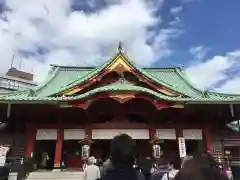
[
  {"x": 161, "y": 43},
  {"x": 176, "y": 10},
  {"x": 72, "y": 38},
  {"x": 199, "y": 52},
  {"x": 176, "y": 22},
  {"x": 230, "y": 86},
  {"x": 207, "y": 74}
]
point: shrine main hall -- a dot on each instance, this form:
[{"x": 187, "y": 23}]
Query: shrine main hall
[{"x": 90, "y": 105}]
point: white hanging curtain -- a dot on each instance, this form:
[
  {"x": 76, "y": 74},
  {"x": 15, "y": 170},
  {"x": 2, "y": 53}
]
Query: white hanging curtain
[
  {"x": 74, "y": 134},
  {"x": 46, "y": 134},
  {"x": 192, "y": 134},
  {"x": 166, "y": 134},
  {"x": 110, "y": 133}
]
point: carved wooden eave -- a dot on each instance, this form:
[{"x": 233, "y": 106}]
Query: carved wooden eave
[
  {"x": 86, "y": 140},
  {"x": 120, "y": 64},
  {"x": 122, "y": 98},
  {"x": 155, "y": 140},
  {"x": 178, "y": 105}
]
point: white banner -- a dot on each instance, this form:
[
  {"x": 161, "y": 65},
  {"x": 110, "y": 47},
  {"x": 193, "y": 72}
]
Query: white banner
[
  {"x": 182, "y": 147},
  {"x": 110, "y": 133}
]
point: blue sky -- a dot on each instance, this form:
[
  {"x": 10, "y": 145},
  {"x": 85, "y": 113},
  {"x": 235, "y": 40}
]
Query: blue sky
[
  {"x": 211, "y": 23},
  {"x": 201, "y": 35}
]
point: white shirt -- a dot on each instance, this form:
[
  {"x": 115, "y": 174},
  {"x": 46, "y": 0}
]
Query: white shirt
[
  {"x": 170, "y": 175},
  {"x": 91, "y": 172}
]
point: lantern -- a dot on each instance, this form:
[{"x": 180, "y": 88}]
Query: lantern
[
  {"x": 3, "y": 153},
  {"x": 85, "y": 151},
  {"x": 156, "y": 151}
]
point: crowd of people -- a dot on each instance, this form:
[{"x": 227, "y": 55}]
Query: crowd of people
[{"x": 124, "y": 164}]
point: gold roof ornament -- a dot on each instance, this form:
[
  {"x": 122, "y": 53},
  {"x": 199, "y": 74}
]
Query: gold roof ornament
[{"x": 120, "y": 47}]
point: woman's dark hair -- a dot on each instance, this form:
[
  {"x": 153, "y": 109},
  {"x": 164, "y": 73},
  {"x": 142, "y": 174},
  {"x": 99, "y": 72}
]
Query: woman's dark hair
[
  {"x": 123, "y": 150},
  {"x": 200, "y": 167}
]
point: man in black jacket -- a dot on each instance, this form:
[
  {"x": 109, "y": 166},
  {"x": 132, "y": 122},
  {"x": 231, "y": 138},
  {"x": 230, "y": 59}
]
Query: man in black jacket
[{"x": 123, "y": 151}]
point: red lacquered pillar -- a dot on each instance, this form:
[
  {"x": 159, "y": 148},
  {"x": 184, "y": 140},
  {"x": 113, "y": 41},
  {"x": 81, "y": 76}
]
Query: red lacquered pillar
[
  {"x": 152, "y": 132},
  {"x": 58, "y": 150},
  {"x": 179, "y": 132},
  {"x": 207, "y": 140},
  {"x": 31, "y": 138},
  {"x": 152, "y": 136}
]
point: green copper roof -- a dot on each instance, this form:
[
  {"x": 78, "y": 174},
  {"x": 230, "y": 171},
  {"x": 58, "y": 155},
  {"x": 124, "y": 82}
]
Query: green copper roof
[
  {"x": 118, "y": 86},
  {"x": 63, "y": 77},
  {"x": 59, "y": 78}
]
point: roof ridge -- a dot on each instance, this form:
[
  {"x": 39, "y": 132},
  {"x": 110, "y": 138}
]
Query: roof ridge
[
  {"x": 183, "y": 76},
  {"x": 53, "y": 74},
  {"x": 72, "y": 67},
  {"x": 94, "y": 67},
  {"x": 160, "y": 68},
  {"x": 225, "y": 94}
]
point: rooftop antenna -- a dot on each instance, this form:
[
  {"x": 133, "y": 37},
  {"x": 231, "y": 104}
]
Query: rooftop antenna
[
  {"x": 20, "y": 64},
  {"x": 12, "y": 61}
]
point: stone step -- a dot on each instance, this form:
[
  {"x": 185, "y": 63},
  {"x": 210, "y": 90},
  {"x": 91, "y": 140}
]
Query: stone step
[
  {"x": 57, "y": 172},
  {"x": 61, "y": 173},
  {"x": 66, "y": 178},
  {"x": 51, "y": 175},
  {"x": 55, "y": 177}
]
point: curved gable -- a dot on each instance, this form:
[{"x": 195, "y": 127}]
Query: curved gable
[{"x": 120, "y": 64}]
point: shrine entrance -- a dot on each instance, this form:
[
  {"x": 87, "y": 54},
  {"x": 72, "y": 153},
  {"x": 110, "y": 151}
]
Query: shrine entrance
[
  {"x": 169, "y": 147},
  {"x": 72, "y": 154},
  {"x": 194, "y": 146},
  {"x": 45, "y": 153},
  {"x": 100, "y": 149}
]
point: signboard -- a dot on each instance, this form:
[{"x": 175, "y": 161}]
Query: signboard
[
  {"x": 182, "y": 147},
  {"x": 3, "y": 153}
]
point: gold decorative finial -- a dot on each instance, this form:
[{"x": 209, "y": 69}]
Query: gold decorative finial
[{"x": 120, "y": 48}]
